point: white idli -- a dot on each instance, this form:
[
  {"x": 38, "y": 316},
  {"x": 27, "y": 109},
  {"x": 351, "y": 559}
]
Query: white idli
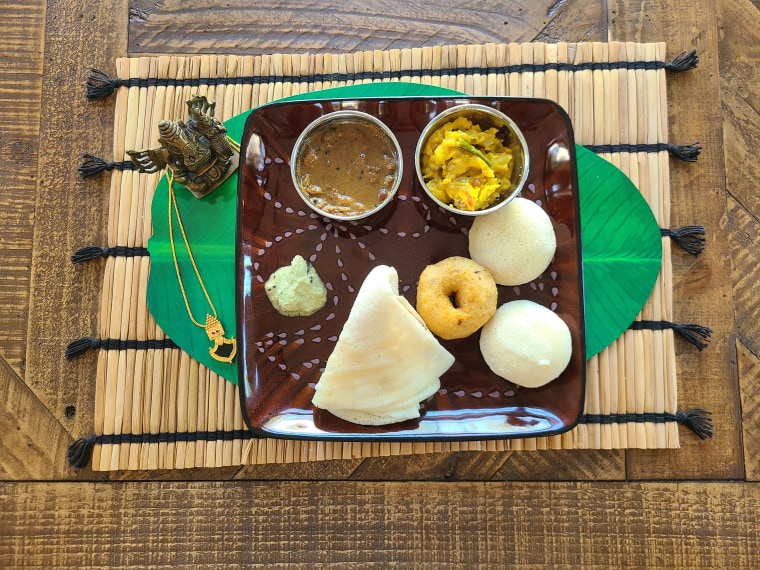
[
  {"x": 526, "y": 343},
  {"x": 516, "y": 243}
]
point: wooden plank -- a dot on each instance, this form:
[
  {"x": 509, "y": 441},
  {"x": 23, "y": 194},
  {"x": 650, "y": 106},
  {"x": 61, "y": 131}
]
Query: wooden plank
[
  {"x": 33, "y": 444},
  {"x": 740, "y": 93},
  {"x": 377, "y": 525},
  {"x": 563, "y": 465},
  {"x": 340, "y": 26},
  {"x": 70, "y": 213},
  {"x": 744, "y": 235},
  {"x": 702, "y": 286},
  {"x": 749, "y": 381},
  {"x": 197, "y": 474},
  {"x": 741, "y": 140},
  {"x": 20, "y": 87},
  {"x": 739, "y": 45},
  {"x": 452, "y": 466},
  {"x": 576, "y": 21},
  {"x": 544, "y": 465},
  {"x": 335, "y": 470}
]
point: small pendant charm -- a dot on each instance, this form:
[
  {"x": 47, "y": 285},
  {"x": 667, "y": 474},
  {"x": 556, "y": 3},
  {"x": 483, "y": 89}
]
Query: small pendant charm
[{"x": 224, "y": 349}]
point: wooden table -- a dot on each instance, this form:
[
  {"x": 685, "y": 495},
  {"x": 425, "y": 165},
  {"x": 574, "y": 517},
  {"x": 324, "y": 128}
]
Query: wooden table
[{"x": 697, "y": 506}]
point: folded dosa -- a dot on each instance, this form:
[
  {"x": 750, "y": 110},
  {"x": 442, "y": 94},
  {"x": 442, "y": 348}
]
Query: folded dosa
[{"x": 385, "y": 362}]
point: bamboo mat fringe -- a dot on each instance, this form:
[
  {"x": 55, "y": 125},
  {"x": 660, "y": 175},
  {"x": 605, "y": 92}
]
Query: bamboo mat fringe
[{"x": 163, "y": 390}]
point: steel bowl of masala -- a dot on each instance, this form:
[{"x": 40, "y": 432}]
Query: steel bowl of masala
[
  {"x": 346, "y": 165},
  {"x": 472, "y": 159}
]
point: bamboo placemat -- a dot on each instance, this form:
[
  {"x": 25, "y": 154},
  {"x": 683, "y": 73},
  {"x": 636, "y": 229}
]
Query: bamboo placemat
[{"x": 194, "y": 415}]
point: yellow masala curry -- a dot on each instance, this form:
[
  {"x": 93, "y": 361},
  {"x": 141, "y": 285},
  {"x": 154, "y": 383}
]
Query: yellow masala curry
[
  {"x": 347, "y": 168},
  {"x": 465, "y": 166}
]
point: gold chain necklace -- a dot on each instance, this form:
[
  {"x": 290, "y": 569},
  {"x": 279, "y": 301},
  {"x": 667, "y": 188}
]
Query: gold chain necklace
[{"x": 213, "y": 327}]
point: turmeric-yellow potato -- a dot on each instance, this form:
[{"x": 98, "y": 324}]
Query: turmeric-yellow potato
[{"x": 465, "y": 166}]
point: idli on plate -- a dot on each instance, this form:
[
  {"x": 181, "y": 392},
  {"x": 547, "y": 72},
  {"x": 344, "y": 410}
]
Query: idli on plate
[
  {"x": 526, "y": 343},
  {"x": 515, "y": 243}
]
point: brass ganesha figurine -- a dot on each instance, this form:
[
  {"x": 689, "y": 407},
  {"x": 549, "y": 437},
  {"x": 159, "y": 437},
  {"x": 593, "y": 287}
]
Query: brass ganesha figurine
[{"x": 198, "y": 151}]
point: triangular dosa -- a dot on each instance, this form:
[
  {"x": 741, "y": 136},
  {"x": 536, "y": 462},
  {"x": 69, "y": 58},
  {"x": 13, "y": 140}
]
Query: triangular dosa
[{"x": 385, "y": 362}]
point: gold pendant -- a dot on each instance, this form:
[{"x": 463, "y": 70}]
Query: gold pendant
[{"x": 215, "y": 333}]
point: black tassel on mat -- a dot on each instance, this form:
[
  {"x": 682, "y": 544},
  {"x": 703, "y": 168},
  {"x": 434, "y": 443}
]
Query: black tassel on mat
[
  {"x": 697, "y": 335},
  {"x": 80, "y": 346},
  {"x": 100, "y": 85},
  {"x": 93, "y": 165},
  {"x": 90, "y": 252},
  {"x": 684, "y": 61},
  {"x": 80, "y": 451},
  {"x": 697, "y": 420},
  {"x": 689, "y": 238},
  {"x": 685, "y": 152}
]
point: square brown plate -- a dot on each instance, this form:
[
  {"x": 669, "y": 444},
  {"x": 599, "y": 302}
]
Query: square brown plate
[{"x": 281, "y": 358}]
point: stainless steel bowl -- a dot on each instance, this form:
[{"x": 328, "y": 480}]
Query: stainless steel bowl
[
  {"x": 486, "y": 117},
  {"x": 345, "y": 116}
]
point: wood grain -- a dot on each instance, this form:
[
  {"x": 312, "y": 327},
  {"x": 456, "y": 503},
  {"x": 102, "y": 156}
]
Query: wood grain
[
  {"x": 740, "y": 97},
  {"x": 333, "y": 470},
  {"x": 576, "y": 21},
  {"x": 199, "y": 474},
  {"x": 749, "y": 382},
  {"x": 33, "y": 444},
  {"x": 544, "y": 465},
  {"x": 563, "y": 465},
  {"x": 337, "y": 26},
  {"x": 377, "y": 525},
  {"x": 702, "y": 292},
  {"x": 739, "y": 21},
  {"x": 744, "y": 234},
  {"x": 69, "y": 212},
  {"x": 741, "y": 145},
  {"x": 20, "y": 84},
  {"x": 452, "y": 466}
]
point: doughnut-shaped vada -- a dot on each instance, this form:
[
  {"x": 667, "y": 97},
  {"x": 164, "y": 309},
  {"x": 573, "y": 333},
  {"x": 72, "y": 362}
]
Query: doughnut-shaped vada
[{"x": 472, "y": 289}]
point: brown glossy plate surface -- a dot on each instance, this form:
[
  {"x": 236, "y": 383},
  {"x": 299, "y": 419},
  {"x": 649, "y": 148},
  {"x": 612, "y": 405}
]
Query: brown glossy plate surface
[{"x": 281, "y": 358}]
